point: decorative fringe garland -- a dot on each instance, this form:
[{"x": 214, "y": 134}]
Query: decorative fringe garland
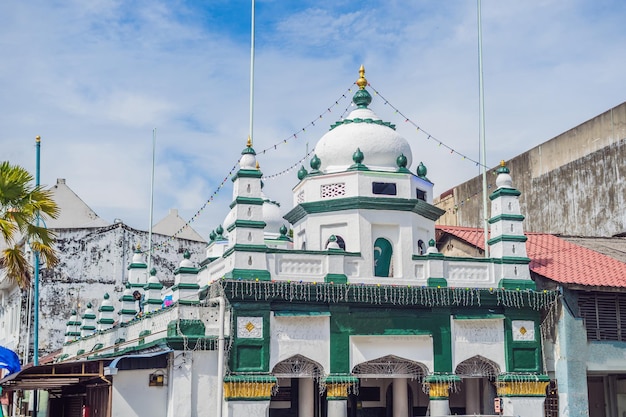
[{"x": 380, "y": 294}]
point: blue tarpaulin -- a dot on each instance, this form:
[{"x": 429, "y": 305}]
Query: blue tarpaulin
[{"x": 9, "y": 360}]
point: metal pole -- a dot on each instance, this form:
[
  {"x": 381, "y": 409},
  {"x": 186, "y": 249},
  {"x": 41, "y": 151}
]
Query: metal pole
[
  {"x": 483, "y": 150},
  {"x": 250, "y": 134},
  {"x": 151, "y": 202},
  {"x": 36, "y": 273}
]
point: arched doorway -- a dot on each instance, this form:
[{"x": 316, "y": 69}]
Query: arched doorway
[
  {"x": 477, "y": 390},
  {"x": 392, "y": 384},
  {"x": 383, "y": 258},
  {"x": 300, "y": 393}
]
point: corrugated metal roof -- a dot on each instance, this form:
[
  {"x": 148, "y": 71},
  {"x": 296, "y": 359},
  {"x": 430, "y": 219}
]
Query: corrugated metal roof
[{"x": 558, "y": 259}]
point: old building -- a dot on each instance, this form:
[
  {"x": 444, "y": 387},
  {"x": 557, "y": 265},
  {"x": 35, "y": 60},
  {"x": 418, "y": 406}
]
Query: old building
[{"x": 573, "y": 184}]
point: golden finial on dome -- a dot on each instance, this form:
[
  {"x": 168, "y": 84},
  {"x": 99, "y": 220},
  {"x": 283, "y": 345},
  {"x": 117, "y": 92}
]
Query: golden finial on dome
[
  {"x": 138, "y": 247},
  {"x": 37, "y": 138},
  {"x": 257, "y": 165},
  {"x": 249, "y": 143},
  {"x": 502, "y": 163},
  {"x": 361, "y": 82}
]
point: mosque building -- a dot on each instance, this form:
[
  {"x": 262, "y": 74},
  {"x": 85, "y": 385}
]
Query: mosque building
[{"x": 344, "y": 307}]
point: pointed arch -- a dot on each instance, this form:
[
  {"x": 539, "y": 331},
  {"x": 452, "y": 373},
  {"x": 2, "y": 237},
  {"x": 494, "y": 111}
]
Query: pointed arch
[
  {"x": 298, "y": 366},
  {"x": 390, "y": 366},
  {"x": 477, "y": 367}
]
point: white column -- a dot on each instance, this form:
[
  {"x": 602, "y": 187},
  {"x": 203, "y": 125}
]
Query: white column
[
  {"x": 472, "y": 395},
  {"x": 523, "y": 406},
  {"x": 400, "y": 398},
  {"x": 338, "y": 408},
  {"x": 246, "y": 408},
  {"x": 306, "y": 406}
]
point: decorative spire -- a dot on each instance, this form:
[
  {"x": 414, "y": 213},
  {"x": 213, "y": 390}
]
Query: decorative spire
[
  {"x": 401, "y": 161},
  {"x": 248, "y": 149},
  {"x": 316, "y": 163},
  {"x": 362, "y": 98},
  {"x": 138, "y": 248},
  {"x": 186, "y": 254},
  {"x": 502, "y": 169},
  {"x": 361, "y": 82},
  {"x": 302, "y": 173},
  {"x": 358, "y": 158},
  {"x": 503, "y": 180},
  {"x": 153, "y": 272}
]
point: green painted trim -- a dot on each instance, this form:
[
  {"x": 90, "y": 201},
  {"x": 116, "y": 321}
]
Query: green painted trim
[
  {"x": 89, "y": 316},
  {"x": 512, "y": 260},
  {"x": 504, "y": 192},
  {"x": 203, "y": 263},
  {"x": 137, "y": 266},
  {"x": 437, "y": 282},
  {"x": 249, "y": 274},
  {"x": 144, "y": 333},
  {"x": 478, "y": 316},
  {"x": 153, "y": 286},
  {"x": 438, "y": 398},
  {"x": 185, "y": 286},
  {"x": 186, "y": 270},
  {"x": 364, "y": 203},
  {"x": 247, "y": 399},
  {"x": 247, "y": 173},
  {"x": 254, "y": 201},
  {"x": 88, "y": 328},
  {"x": 97, "y": 346},
  {"x": 442, "y": 378},
  {"x": 336, "y": 398},
  {"x": 523, "y": 358},
  {"x": 154, "y": 301},
  {"x": 511, "y": 217},
  {"x": 251, "y": 354},
  {"x": 106, "y": 321},
  {"x": 244, "y": 248},
  {"x": 80, "y": 352},
  {"x": 507, "y": 238},
  {"x": 128, "y": 312},
  {"x": 523, "y": 378},
  {"x": 136, "y": 285},
  {"x": 261, "y": 379},
  {"x": 186, "y": 327},
  {"x": 312, "y": 252},
  {"x": 128, "y": 297},
  {"x": 250, "y": 224},
  {"x": 73, "y": 323},
  {"x": 292, "y": 313},
  {"x": 336, "y": 278},
  {"x": 517, "y": 284},
  {"x": 106, "y": 308},
  {"x": 341, "y": 379}
]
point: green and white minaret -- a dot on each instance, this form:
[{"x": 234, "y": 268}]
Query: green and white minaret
[{"x": 507, "y": 240}]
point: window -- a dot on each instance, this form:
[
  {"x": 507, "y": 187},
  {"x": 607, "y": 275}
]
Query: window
[
  {"x": 385, "y": 188},
  {"x": 604, "y": 315},
  {"x": 421, "y": 195},
  {"x": 421, "y": 247},
  {"x": 340, "y": 242}
]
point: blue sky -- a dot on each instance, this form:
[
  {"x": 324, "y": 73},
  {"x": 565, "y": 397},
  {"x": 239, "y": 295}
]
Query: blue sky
[{"x": 94, "y": 78}]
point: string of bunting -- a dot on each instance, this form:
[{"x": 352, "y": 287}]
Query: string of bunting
[
  {"x": 234, "y": 167},
  {"x": 419, "y": 129}
]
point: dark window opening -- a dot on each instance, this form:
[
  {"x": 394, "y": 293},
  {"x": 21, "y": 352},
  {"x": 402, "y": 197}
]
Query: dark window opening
[
  {"x": 421, "y": 195},
  {"x": 385, "y": 188},
  {"x": 421, "y": 247},
  {"x": 340, "y": 242}
]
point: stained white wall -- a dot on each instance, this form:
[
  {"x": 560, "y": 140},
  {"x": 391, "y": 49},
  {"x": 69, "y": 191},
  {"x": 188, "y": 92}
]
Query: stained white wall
[{"x": 132, "y": 396}]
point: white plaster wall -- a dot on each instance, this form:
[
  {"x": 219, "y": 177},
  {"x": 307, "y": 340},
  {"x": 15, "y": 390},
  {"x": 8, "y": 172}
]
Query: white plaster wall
[
  {"x": 204, "y": 383},
  {"x": 308, "y": 336},
  {"x": 132, "y": 396},
  {"x": 480, "y": 337},
  {"x": 418, "y": 348}
]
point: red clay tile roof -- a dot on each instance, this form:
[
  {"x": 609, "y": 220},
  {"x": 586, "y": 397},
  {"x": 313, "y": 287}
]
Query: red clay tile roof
[{"x": 557, "y": 259}]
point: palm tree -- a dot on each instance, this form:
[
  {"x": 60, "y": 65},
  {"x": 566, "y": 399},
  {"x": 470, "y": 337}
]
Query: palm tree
[{"x": 21, "y": 204}]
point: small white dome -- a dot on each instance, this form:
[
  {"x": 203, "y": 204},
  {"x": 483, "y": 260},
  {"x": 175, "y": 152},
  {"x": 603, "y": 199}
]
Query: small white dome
[
  {"x": 271, "y": 216},
  {"x": 363, "y": 129},
  {"x": 247, "y": 161}
]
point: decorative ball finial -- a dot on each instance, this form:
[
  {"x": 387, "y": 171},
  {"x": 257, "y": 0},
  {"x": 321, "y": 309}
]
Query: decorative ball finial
[
  {"x": 212, "y": 235},
  {"x": 502, "y": 169},
  {"x": 316, "y": 163},
  {"x": 186, "y": 254},
  {"x": 138, "y": 248},
  {"x": 153, "y": 272},
  {"x": 401, "y": 161},
  {"x": 302, "y": 173},
  {"x": 219, "y": 230},
  {"x": 283, "y": 230},
  {"x": 89, "y": 305},
  {"x": 106, "y": 296},
  {"x": 37, "y": 138},
  {"x": 358, "y": 156},
  {"x": 361, "y": 82}
]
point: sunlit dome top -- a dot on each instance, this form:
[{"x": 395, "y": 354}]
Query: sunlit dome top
[{"x": 362, "y": 129}]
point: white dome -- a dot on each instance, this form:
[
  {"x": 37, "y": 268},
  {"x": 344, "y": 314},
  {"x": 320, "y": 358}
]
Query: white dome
[
  {"x": 380, "y": 144},
  {"x": 272, "y": 217}
]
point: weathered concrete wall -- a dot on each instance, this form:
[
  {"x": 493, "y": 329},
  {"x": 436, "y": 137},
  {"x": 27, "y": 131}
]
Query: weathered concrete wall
[
  {"x": 94, "y": 261},
  {"x": 573, "y": 184}
]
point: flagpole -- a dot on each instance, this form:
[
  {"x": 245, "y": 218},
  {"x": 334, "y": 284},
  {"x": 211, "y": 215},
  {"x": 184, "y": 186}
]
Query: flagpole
[
  {"x": 36, "y": 273},
  {"x": 151, "y": 202},
  {"x": 483, "y": 150},
  {"x": 250, "y": 134}
]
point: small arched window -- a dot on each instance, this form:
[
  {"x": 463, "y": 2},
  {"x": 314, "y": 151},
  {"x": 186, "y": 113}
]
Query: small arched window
[
  {"x": 340, "y": 242},
  {"x": 383, "y": 258},
  {"x": 421, "y": 247}
]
